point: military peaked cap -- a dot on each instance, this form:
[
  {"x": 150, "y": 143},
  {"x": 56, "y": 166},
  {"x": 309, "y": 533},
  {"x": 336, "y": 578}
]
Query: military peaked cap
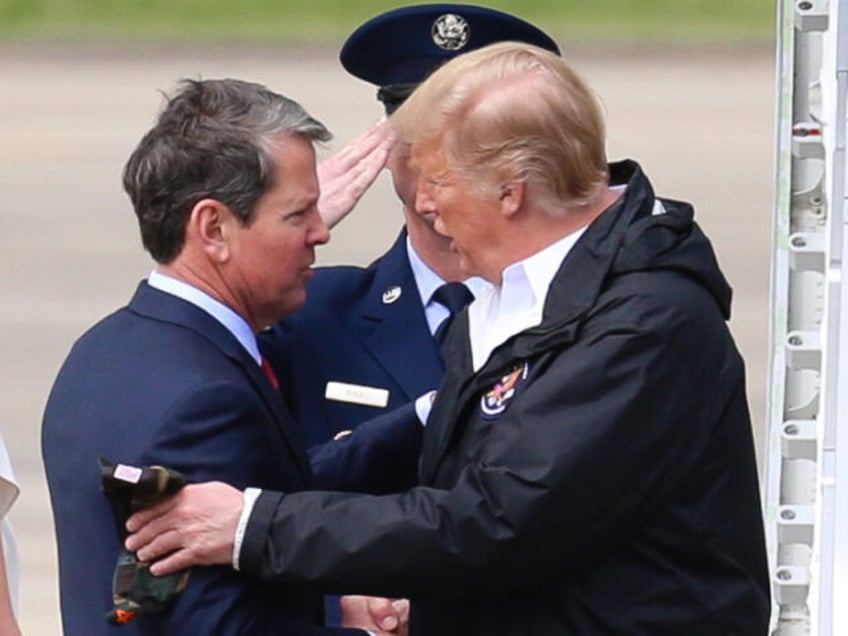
[{"x": 398, "y": 49}]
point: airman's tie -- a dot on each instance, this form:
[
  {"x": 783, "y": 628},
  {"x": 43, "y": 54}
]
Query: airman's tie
[{"x": 454, "y": 297}]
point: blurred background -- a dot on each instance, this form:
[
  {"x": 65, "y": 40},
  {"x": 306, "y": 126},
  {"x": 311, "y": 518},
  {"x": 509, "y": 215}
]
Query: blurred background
[
  {"x": 641, "y": 23},
  {"x": 687, "y": 86}
]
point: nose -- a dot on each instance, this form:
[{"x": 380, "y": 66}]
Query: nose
[
  {"x": 318, "y": 234},
  {"x": 439, "y": 226}
]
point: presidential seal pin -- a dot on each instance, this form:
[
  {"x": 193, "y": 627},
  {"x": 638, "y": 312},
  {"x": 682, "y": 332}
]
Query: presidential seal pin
[
  {"x": 450, "y": 32},
  {"x": 391, "y": 295},
  {"x": 494, "y": 402}
]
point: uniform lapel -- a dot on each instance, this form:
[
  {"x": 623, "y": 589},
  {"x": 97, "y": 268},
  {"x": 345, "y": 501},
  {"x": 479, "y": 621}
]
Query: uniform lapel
[{"x": 394, "y": 328}]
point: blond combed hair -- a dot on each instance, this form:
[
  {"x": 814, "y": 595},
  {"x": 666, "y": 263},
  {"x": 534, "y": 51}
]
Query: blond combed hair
[{"x": 512, "y": 111}]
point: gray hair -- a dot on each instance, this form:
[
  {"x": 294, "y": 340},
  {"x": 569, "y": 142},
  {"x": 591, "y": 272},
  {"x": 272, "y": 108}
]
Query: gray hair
[{"x": 213, "y": 139}]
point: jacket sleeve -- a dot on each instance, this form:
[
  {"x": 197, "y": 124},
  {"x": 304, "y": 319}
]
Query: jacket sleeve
[
  {"x": 208, "y": 434},
  {"x": 379, "y": 457},
  {"x": 593, "y": 440}
]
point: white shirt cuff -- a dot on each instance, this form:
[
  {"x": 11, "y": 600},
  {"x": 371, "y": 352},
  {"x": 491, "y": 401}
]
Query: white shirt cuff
[
  {"x": 250, "y": 496},
  {"x": 423, "y": 406}
]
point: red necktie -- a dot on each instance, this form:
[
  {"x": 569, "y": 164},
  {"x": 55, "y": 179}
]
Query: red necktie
[{"x": 269, "y": 373}]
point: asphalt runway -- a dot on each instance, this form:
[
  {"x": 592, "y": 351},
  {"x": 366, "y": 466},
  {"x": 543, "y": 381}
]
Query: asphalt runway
[{"x": 702, "y": 128}]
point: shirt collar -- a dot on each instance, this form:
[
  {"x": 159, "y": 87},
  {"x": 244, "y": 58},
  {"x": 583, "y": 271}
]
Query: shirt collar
[
  {"x": 429, "y": 281},
  {"x": 526, "y": 283},
  {"x": 426, "y": 279},
  {"x": 233, "y": 322},
  {"x": 518, "y": 302}
]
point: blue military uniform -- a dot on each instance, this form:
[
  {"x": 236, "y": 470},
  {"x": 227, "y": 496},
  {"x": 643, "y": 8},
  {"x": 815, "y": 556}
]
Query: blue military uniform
[{"x": 363, "y": 333}]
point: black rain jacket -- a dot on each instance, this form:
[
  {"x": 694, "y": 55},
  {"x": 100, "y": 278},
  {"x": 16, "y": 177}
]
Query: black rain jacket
[{"x": 597, "y": 476}]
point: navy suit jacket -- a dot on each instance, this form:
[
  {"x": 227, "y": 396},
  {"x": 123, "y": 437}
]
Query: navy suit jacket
[
  {"x": 162, "y": 382},
  {"x": 355, "y": 329}
]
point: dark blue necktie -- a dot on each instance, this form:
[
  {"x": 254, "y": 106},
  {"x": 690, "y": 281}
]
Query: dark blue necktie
[{"x": 454, "y": 297}]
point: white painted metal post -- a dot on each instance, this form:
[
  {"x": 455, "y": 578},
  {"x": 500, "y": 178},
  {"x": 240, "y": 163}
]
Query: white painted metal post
[{"x": 806, "y": 478}]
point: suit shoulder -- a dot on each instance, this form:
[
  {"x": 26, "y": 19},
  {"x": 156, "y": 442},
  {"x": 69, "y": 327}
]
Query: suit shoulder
[
  {"x": 112, "y": 323},
  {"x": 343, "y": 286}
]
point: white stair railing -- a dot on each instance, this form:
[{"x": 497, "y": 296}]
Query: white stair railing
[{"x": 806, "y": 471}]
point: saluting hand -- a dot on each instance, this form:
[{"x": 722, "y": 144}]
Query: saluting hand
[{"x": 348, "y": 174}]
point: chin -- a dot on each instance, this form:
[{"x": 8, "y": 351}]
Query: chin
[{"x": 295, "y": 303}]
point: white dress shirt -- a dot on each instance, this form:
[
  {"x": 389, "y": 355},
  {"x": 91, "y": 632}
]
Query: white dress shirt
[
  {"x": 501, "y": 311},
  {"x": 504, "y": 310}
]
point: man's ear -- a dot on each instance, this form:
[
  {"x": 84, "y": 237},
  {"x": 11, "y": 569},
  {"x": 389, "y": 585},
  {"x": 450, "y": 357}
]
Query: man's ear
[
  {"x": 210, "y": 223},
  {"x": 512, "y": 197}
]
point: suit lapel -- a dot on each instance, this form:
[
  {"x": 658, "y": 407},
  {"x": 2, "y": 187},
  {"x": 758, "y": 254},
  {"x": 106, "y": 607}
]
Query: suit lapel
[
  {"x": 282, "y": 415},
  {"x": 159, "y": 305},
  {"x": 394, "y": 328}
]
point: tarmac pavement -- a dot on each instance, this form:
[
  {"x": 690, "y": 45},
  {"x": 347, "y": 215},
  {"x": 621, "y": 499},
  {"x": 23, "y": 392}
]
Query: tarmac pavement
[{"x": 701, "y": 127}]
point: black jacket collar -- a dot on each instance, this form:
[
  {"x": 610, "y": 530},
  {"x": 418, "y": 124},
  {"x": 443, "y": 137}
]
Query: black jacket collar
[{"x": 626, "y": 238}]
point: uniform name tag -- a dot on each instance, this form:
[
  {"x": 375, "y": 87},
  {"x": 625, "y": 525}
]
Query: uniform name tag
[{"x": 357, "y": 394}]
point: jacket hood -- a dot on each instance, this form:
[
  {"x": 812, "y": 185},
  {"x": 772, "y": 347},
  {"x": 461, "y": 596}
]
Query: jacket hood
[
  {"x": 662, "y": 234},
  {"x": 629, "y": 238}
]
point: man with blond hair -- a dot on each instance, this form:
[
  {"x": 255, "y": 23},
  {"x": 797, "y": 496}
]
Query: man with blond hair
[{"x": 588, "y": 463}]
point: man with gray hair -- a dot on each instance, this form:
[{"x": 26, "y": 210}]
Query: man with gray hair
[{"x": 225, "y": 190}]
